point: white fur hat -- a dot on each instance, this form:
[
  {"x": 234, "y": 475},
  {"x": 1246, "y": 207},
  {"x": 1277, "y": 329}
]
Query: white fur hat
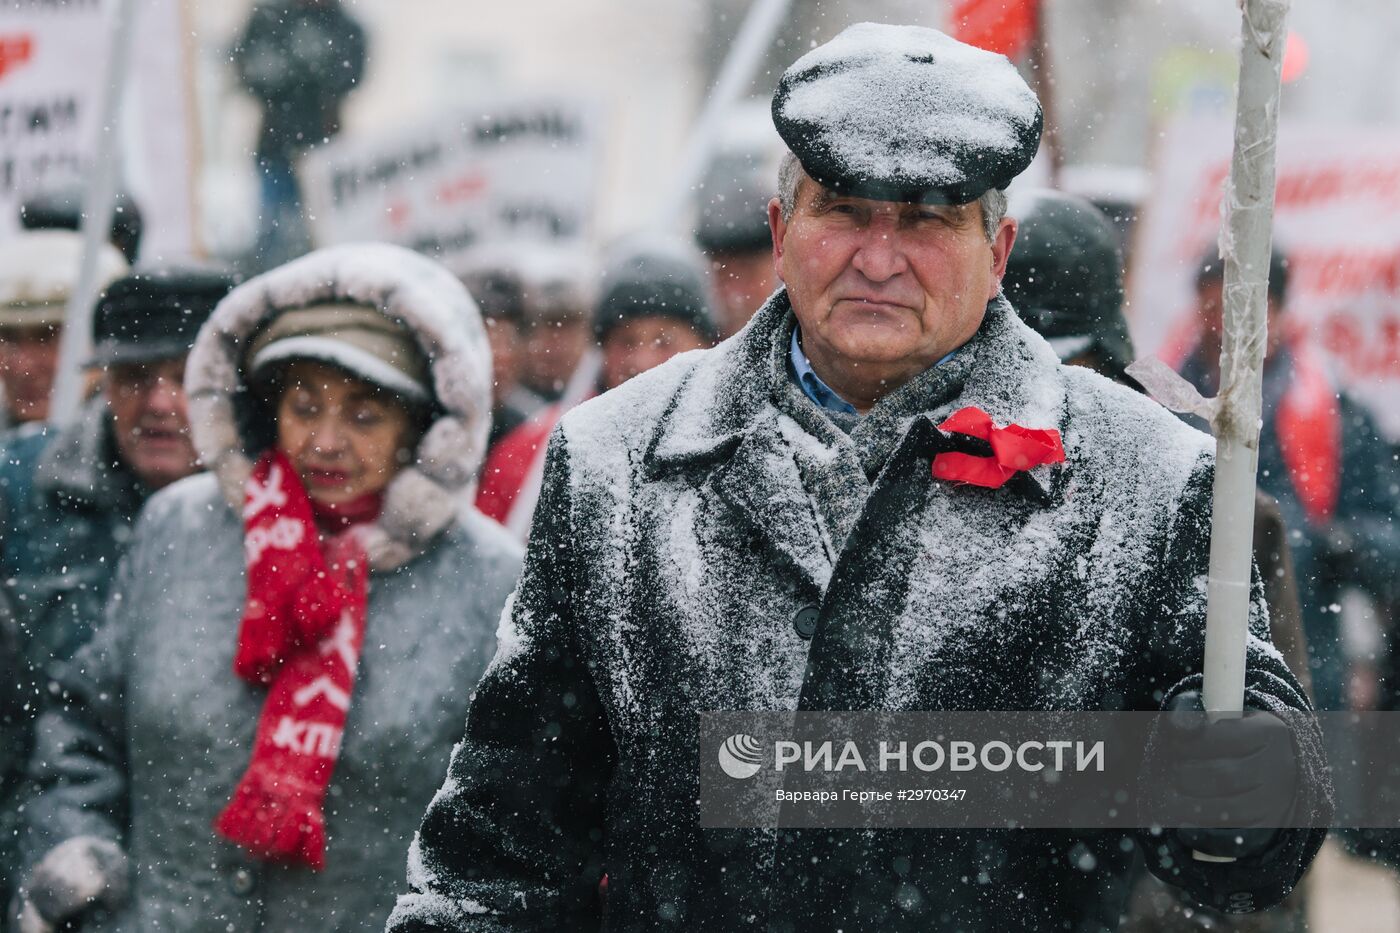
[{"x": 413, "y": 292}]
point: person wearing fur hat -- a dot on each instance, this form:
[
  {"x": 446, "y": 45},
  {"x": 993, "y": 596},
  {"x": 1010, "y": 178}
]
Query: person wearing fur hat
[
  {"x": 655, "y": 303},
  {"x": 38, "y": 272},
  {"x": 287, "y": 653}
]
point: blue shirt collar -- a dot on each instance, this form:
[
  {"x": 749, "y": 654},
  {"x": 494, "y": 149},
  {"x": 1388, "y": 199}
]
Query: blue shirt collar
[
  {"x": 813, "y": 387},
  {"x": 811, "y": 384}
]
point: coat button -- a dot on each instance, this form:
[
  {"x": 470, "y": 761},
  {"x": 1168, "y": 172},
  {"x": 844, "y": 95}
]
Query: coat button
[
  {"x": 806, "y": 621},
  {"x": 242, "y": 882}
]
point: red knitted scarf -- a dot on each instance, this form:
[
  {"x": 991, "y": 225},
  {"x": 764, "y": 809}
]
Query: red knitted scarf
[{"x": 303, "y": 625}]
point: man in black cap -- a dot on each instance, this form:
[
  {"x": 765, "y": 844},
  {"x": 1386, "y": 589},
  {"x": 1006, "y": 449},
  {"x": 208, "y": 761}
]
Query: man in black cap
[
  {"x": 68, "y": 497},
  {"x": 797, "y": 521}
]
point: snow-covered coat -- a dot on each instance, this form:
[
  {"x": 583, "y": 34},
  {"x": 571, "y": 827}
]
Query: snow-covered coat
[
  {"x": 689, "y": 523},
  {"x": 155, "y": 729}
]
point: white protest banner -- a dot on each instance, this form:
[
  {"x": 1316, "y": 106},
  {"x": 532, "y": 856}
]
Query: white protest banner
[
  {"x": 51, "y": 56},
  {"x": 1336, "y": 215},
  {"x": 508, "y": 170},
  {"x": 52, "y": 59}
]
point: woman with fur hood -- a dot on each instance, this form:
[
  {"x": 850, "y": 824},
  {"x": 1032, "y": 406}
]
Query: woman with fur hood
[{"x": 289, "y": 649}]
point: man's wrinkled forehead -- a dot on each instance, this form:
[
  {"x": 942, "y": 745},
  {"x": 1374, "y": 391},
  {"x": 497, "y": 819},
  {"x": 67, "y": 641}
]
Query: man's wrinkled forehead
[{"x": 820, "y": 196}]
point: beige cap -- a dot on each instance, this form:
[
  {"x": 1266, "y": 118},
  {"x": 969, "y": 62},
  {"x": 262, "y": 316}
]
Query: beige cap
[
  {"x": 355, "y": 338},
  {"x": 38, "y": 271}
]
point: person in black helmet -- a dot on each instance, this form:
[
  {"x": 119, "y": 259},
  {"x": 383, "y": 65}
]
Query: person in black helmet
[
  {"x": 1065, "y": 279},
  {"x": 62, "y": 209}
]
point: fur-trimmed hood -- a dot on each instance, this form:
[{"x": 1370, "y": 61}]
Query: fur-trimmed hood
[{"x": 407, "y": 288}]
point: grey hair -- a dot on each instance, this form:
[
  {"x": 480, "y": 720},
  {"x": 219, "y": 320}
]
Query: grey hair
[{"x": 790, "y": 174}]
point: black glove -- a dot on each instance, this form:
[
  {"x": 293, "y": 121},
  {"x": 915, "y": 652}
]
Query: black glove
[{"x": 1243, "y": 769}]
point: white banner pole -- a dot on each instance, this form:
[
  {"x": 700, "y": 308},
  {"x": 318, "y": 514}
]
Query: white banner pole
[{"x": 99, "y": 199}]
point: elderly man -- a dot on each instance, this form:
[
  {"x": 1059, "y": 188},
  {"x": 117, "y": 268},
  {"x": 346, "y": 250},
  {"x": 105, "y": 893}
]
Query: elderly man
[
  {"x": 68, "y": 497},
  {"x": 775, "y": 524}
]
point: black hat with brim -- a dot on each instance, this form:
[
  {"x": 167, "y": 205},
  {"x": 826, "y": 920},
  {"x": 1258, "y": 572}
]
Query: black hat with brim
[
  {"x": 155, "y": 313},
  {"x": 906, "y": 113}
]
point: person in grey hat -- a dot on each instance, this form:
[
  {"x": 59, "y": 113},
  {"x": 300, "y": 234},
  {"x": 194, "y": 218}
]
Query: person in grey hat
[
  {"x": 69, "y": 497},
  {"x": 500, "y": 293},
  {"x": 831, "y": 512},
  {"x": 732, "y": 229}
]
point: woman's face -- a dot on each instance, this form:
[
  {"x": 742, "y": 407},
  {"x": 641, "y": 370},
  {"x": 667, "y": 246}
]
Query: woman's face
[{"x": 346, "y": 437}]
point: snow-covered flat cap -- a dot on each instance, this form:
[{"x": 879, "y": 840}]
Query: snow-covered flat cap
[{"x": 906, "y": 113}]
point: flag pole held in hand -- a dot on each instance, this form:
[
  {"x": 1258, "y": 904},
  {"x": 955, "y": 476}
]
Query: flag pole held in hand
[{"x": 1246, "y": 240}]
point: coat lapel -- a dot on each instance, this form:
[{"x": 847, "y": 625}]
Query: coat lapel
[
  {"x": 760, "y": 493},
  {"x": 1014, "y": 377},
  {"x": 723, "y": 430}
]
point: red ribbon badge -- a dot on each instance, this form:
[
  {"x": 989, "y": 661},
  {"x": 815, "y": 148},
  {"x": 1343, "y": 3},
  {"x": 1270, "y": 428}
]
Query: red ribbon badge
[{"x": 1014, "y": 449}]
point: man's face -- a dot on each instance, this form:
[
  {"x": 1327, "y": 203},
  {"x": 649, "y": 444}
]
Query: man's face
[
  {"x": 147, "y": 401},
  {"x": 1210, "y": 308},
  {"x": 636, "y": 345},
  {"x": 742, "y": 281},
  {"x": 885, "y": 285},
  {"x": 504, "y": 337},
  {"x": 552, "y": 351},
  {"x": 28, "y": 361}
]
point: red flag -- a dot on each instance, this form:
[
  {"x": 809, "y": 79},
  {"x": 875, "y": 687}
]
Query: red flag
[
  {"x": 1003, "y": 26},
  {"x": 15, "y": 50}
]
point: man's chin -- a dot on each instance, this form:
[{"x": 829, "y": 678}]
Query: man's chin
[
  {"x": 874, "y": 344},
  {"x": 158, "y": 472}
]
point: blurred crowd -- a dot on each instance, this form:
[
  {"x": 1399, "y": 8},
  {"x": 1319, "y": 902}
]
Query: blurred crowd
[{"x": 415, "y": 397}]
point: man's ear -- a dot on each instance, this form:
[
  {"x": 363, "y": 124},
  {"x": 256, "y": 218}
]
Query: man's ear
[
  {"x": 1001, "y": 252},
  {"x": 777, "y": 227}
]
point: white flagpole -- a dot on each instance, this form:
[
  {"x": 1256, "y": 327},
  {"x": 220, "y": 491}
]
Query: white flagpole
[
  {"x": 1245, "y": 244},
  {"x": 99, "y": 199},
  {"x": 1246, "y": 241}
]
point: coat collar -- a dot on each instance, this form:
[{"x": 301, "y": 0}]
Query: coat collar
[
  {"x": 80, "y": 465},
  {"x": 1006, "y": 369}
]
